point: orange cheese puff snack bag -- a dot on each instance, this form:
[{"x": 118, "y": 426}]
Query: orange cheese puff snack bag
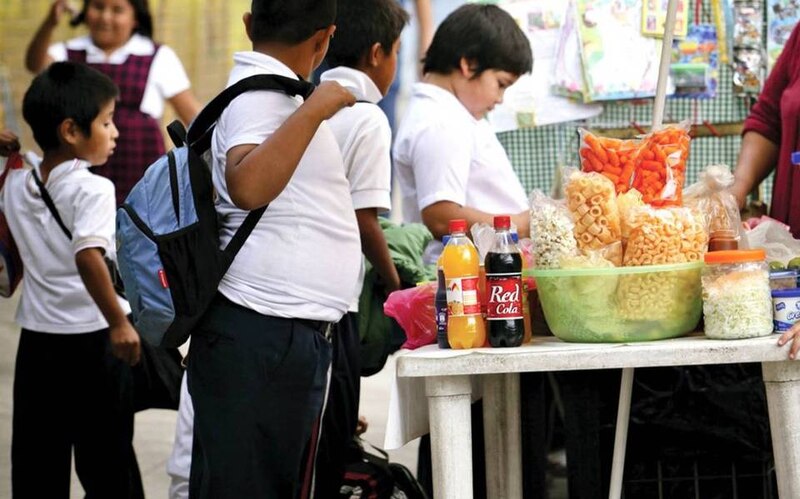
[
  {"x": 626, "y": 202},
  {"x": 694, "y": 234},
  {"x": 661, "y": 165},
  {"x": 654, "y": 238},
  {"x": 659, "y": 236},
  {"x": 592, "y": 203},
  {"x": 615, "y": 159}
]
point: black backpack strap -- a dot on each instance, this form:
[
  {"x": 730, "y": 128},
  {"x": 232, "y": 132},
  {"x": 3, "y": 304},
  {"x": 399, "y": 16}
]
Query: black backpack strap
[
  {"x": 243, "y": 232},
  {"x": 50, "y": 204},
  {"x": 199, "y": 134},
  {"x": 177, "y": 132},
  {"x": 116, "y": 280}
]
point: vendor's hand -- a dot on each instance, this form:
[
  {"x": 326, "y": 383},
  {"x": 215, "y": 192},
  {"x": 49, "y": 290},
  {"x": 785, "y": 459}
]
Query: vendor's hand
[
  {"x": 792, "y": 335},
  {"x": 125, "y": 343},
  {"x": 8, "y": 143}
]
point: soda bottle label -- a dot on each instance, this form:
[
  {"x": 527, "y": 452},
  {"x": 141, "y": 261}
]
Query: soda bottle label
[
  {"x": 462, "y": 296},
  {"x": 504, "y": 296}
]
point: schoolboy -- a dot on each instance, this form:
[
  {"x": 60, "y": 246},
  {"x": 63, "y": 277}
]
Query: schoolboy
[
  {"x": 363, "y": 59},
  {"x": 448, "y": 160},
  {"x": 259, "y": 362},
  {"x": 73, "y": 385}
]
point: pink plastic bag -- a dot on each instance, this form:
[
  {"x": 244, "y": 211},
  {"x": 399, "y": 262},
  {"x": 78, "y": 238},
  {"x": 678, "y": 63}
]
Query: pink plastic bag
[{"x": 413, "y": 309}]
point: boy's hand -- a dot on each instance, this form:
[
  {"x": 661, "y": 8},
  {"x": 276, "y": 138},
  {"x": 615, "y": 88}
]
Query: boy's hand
[
  {"x": 125, "y": 343},
  {"x": 330, "y": 97},
  {"x": 8, "y": 143}
]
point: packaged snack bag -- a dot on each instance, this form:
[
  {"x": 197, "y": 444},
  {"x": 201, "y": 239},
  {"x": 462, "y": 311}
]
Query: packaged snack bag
[
  {"x": 592, "y": 202},
  {"x": 711, "y": 197},
  {"x": 661, "y": 165},
  {"x": 615, "y": 159},
  {"x": 551, "y": 231}
]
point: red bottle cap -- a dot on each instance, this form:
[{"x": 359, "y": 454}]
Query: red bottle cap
[
  {"x": 502, "y": 222},
  {"x": 458, "y": 225}
]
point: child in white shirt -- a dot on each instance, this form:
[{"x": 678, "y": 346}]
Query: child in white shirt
[
  {"x": 362, "y": 57},
  {"x": 73, "y": 384}
]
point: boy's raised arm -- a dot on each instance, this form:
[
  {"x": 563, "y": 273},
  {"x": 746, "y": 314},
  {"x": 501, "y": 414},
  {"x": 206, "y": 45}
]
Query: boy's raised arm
[
  {"x": 94, "y": 273},
  {"x": 255, "y": 175}
]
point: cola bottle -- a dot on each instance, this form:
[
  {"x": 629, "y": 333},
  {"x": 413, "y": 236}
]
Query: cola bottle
[{"x": 504, "y": 288}]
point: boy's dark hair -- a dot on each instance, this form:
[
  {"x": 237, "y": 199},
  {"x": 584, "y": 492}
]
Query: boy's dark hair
[
  {"x": 289, "y": 21},
  {"x": 65, "y": 90},
  {"x": 362, "y": 23},
  {"x": 487, "y": 36},
  {"x": 144, "y": 21}
]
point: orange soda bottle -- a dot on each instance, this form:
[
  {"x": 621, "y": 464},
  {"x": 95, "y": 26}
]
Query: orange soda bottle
[
  {"x": 461, "y": 263},
  {"x": 526, "y": 311}
]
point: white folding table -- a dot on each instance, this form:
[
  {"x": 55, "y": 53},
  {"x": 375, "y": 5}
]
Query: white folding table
[{"x": 449, "y": 378}]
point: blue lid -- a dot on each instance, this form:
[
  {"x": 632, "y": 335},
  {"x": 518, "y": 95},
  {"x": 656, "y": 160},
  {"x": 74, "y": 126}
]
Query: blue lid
[
  {"x": 515, "y": 237},
  {"x": 778, "y": 274},
  {"x": 445, "y": 238},
  {"x": 796, "y": 158},
  {"x": 786, "y": 293}
]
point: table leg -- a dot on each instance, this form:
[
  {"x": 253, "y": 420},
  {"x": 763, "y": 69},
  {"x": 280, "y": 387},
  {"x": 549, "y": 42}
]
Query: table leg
[
  {"x": 782, "y": 383},
  {"x": 449, "y": 399},
  {"x": 621, "y": 434},
  {"x": 502, "y": 434}
]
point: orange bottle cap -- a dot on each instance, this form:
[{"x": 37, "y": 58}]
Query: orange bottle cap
[{"x": 736, "y": 256}]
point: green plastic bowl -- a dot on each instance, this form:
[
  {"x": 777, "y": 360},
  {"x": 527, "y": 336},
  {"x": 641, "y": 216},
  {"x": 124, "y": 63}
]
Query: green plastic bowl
[{"x": 621, "y": 304}]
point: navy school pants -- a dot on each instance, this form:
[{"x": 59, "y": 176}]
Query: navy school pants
[
  {"x": 258, "y": 384},
  {"x": 72, "y": 394}
]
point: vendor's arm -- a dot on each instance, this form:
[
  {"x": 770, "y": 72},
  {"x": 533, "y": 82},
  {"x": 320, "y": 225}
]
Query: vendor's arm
[
  {"x": 763, "y": 127},
  {"x": 374, "y": 247},
  {"x": 36, "y": 58},
  {"x": 94, "y": 273},
  {"x": 438, "y": 215},
  {"x": 256, "y": 174},
  {"x": 758, "y": 156},
  {"x": 793, "y": 336}
]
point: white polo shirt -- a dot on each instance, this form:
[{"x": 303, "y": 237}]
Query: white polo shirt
[
  {"x": 54, "y": 298},
  {"x": 365, "y": 139},
  {"x": 167, "y": 76},
  {"x": 302, "y": 258},
  {"x": 442, "y": 153}
]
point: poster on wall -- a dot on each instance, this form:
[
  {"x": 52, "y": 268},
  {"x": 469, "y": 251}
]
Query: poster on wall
[
  {"x": 618, "y": 61},
  {"x": 654, "y": 15},
  {"x": 782, "y": 16},
  {"x": 695, "y": 63},
  {"x": 530, "y": 101}
]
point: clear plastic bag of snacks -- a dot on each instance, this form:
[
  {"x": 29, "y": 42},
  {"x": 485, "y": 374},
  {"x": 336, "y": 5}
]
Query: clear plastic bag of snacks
[
  {"x": 661, "y": 165},
  {"x": 615, "y": 159},
  {"x": 551, "y": 231},
  {"x": 592, "y": 203},
  {"x": 711, "y": 197}
]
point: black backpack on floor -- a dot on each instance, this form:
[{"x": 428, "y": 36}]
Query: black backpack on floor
[{"x": 372, "y": 476}]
